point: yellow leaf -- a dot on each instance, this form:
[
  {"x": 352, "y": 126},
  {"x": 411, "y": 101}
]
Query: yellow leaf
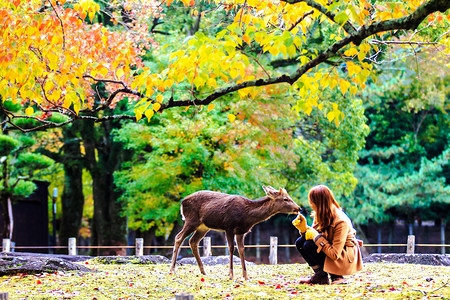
[
  {"x": 67, "y": 102},
  {"x": 234, "y": 73},
  {"x": 344, "y": 85},
  {"x": 353, "y": 69},
  {"x": 55, "y": 40},
  {"x": 361, "y": 56},
  {"x": 199, "y": 81},
  {"x": 210, "y": 107},
  {"x": 119, "y": 73},
  {"x": 333, "y": 83},
  {"x": 49, "y": 85},
  {"x": 138, "y": 114},
  {"x": 77, "y": 107},
  {"x": 231, "y": 117},
  {"x": 291, "y": 50},
  {"x": 149, "y": 114},
  {"x": 103, "y": 71},
  {"x": 351, "y": 52},
  {"x": 156, "y": 106},
  {"x": 354, "y": 89},
  {"x": 331, "y": 115},
  {"x": 29, "y": 111},
  {"x": 283, "y": 50},
  {"x": 274, "y": 50},
  {"x": 243, "y": 92},
  {"x": 364, "y": 48},
  {"x": 159, "y": 98},
  {"x": 212, "y": 82}
]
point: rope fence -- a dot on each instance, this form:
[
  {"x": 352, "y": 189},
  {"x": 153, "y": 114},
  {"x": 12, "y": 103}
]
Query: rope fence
[{"x": 207, "y": 247}]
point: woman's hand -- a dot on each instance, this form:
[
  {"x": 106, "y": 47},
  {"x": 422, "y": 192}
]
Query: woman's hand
[
  {"x": 300, "y": 223},
  {"x": 311, "y": 234}
]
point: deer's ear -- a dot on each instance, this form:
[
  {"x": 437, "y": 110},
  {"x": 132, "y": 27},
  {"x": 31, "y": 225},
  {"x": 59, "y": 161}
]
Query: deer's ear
[{"x": 270, "y": 191}]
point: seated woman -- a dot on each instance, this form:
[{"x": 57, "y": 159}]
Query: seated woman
[{"x": 329, "y": 246}]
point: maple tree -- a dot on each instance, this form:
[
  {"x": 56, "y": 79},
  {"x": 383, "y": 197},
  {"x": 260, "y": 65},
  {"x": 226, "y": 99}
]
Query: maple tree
[{"x": 50, "y": 56}]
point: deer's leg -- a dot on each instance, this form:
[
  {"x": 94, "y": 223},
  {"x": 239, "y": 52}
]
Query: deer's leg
[
  {"x": 193, "y": 242},
  {"x": 230, "y": 240},
  {"x": 241, "y": 248},
  {"x": 181, "y": 236}
]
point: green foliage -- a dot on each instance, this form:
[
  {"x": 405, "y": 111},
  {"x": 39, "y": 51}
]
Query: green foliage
[
  {"x": 404, "y": 170},
  {"x": 8, "y": 144},
  {"x": 328, "y": 153},
  {"x": 11, "y": 106},
  {"x": 18, "y": 166},
  {"x": 180, "y": 156},
  {"x": 23, "y": 189},
  {"x": 29, "y": 162},
  {"x": 27, "y": 123}
]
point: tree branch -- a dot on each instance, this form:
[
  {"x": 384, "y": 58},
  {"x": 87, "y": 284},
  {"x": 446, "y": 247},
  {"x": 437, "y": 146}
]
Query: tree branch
[
  {"x": 61, "y": 23},
  {"x": 409, "y": 22},
  {"x": 300, "y": 20},
  {"x": 348, "y": 27},
  {"x": 402, "y": 43}
]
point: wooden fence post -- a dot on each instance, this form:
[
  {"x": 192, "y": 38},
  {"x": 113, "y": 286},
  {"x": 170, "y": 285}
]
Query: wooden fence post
[
  {"x": 273, "y": 256},
  {"x": 184, "y": 297},
  {"x": 139, "y": 247},
  {"x": 4, "y": 296},
  {"x": 6, "y": 245},
  {"x": 443, "y": 235},
  {"x": 258, "y": 242},
  {"x": 411, "y": 242},
  {"x": 72, "y": 246},
  {"x": 207, "y": 246}
]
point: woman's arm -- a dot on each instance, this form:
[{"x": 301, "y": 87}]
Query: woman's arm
[{"x": 333, "y": 249}]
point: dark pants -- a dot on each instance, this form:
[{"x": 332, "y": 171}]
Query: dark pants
[{"x": 308, "y": 249}]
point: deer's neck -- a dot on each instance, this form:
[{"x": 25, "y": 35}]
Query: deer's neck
[{"x": 260, "y": 210}]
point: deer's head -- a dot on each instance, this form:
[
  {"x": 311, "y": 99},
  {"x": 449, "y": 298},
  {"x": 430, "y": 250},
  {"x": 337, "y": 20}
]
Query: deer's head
[{"x": 281, "y": 201}]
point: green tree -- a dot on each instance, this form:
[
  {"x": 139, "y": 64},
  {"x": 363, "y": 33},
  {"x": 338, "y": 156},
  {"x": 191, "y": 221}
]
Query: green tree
[
  {"x": 403, "y": 172},
  {"x": 18, "y": 168}
]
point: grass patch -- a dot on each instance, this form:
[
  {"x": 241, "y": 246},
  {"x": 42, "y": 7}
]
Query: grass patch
[{"x": 375, "y": 281}]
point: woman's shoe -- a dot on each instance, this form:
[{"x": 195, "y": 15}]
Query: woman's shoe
[
  {"x": 317, "y": 278},
  {"x": 338, "y": 279}
]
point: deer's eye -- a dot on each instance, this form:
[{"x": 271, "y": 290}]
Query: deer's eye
[{"x": 286, "y": 199}]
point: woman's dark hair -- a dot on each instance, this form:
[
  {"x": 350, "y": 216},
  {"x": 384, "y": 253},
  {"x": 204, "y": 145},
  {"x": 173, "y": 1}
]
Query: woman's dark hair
[{"x": 323, "y": 200}]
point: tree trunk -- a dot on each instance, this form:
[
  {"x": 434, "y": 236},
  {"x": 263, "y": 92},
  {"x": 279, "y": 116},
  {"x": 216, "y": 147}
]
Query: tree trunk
[
  {"x": 72, "y": 202},
  {"x": 5, "y": 200},
  {"x": 103, "y": 157},
  {"x": 72, "y": 198},
  {"x": 5, "y": 217}
]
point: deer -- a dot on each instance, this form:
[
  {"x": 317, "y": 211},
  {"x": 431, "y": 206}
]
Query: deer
[{"x": 236, "y": 215}]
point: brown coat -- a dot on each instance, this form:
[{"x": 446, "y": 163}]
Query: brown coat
[{"x": 338, "y": 242}]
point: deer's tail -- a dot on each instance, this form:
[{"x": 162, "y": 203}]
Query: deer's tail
[{"x": 181, "y": 211}]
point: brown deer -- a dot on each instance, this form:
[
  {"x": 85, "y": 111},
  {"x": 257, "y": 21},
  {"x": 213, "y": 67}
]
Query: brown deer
[{"x": 234, "y": 214}]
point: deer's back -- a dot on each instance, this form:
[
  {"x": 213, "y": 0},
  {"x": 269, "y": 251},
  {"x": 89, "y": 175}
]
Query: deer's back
[{"x": 215, "y": 210}]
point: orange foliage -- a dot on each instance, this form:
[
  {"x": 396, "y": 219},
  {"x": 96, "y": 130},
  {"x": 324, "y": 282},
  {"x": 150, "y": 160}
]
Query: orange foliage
[{"x": 49, "y": 59}]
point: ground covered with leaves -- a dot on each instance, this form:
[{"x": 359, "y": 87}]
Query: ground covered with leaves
[{"x": 134, "y": 281}]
